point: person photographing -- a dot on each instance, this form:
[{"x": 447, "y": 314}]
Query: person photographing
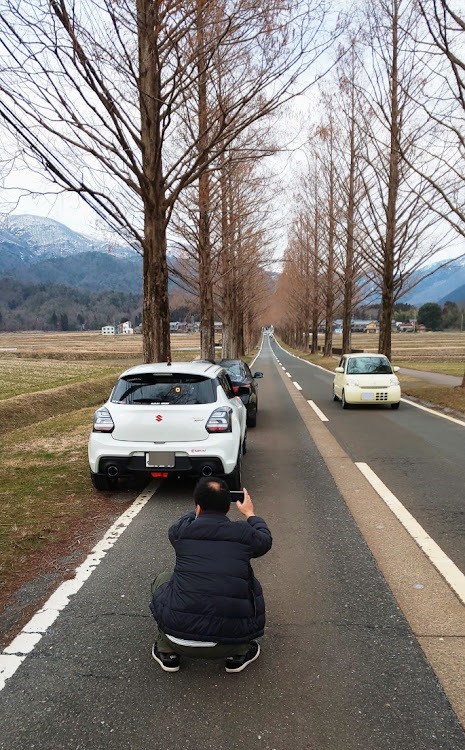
[{"x": 212, "y": 605}]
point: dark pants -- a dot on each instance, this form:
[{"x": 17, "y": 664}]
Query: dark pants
[{"x": 220, "y": 651}]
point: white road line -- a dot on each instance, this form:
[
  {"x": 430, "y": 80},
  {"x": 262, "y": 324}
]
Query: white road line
[
  {"x": 288, "y": 374},
  {"x": 299, "y": 387},
  {"x": 15, "y": 653},
  {"x": 449, "y": 571},
  {"x": 432, "y": 411},
  {"x": 318, "y": 411}
]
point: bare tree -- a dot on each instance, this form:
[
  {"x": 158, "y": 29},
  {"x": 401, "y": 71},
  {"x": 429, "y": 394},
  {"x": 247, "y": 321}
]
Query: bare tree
[
  {"x": 399, "y": 226},
  {"x": 96, "y": 93}
]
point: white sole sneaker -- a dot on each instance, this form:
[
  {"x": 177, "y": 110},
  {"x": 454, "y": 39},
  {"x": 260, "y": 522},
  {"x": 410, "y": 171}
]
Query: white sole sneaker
[
  {"x": 162, "y": 665},
  {"x": 246, "y": 663}
]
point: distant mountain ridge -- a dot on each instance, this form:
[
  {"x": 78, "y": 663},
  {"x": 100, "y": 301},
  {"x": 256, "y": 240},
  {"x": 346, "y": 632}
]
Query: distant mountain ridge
[
  {"x": 445, "y": 284},
  {"x": 28, "y": 239},
  {"x": 37, "y": 250}
]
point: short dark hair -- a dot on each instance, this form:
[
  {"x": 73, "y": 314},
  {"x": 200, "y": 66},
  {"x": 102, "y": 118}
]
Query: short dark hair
[{"x": 212, "y": 493}]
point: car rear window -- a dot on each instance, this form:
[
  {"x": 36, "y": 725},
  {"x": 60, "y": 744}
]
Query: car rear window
[
  {"x": 153, "y": 388},
  {"x": 234, "y": 370},
  {"x": 369, "y": 366}
]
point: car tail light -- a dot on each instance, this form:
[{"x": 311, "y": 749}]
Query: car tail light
[
  {"x": 103, "y": 421},
  {"x": 236, "y": 387},
  {"x": 220, "y": 420}
]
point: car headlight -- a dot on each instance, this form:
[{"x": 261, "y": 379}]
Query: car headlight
[
  {"x": 394, "y": 381},
  {"x": 352, "y": 381}
]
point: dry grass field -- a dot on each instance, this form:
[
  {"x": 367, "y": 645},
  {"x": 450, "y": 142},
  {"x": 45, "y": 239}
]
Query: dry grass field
[
  {"x": 83, "y": 345},
  {"x": 411, "y": 348}
]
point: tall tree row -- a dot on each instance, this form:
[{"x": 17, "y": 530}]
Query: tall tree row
[
  {"x": 384, "y": 181},
  {"x": 102, "y": 95}
]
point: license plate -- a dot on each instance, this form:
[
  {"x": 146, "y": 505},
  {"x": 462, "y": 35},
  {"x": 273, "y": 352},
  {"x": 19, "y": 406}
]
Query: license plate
[
  {"x": 160, "y": 460},
  {"x": 367, "y": 396}
]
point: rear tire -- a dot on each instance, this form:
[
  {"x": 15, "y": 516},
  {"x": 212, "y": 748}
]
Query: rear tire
[
  {"x": 252, "y": 419},
  {"x": 345, "y": 405},
  {"x": 234, "y": 479},
  {"x": 101, "y": 483},
  {"x": 395, "y": 406}
]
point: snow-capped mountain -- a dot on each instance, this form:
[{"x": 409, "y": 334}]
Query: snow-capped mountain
[
  {"x": 30, "y": 239},
  {"x": 442, "y": 285}
]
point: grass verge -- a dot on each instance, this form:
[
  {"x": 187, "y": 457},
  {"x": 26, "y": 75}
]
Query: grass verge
[
  {"x": 45, "y": 487},
  {"x": 31, "y": 408}
]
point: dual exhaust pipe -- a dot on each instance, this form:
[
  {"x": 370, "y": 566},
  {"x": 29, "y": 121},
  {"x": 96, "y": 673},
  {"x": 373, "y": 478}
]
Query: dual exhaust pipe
[{"x": 113, "y": 471}]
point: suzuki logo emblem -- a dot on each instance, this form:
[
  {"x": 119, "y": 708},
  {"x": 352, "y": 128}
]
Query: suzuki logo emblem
[{"x": 159, "y": 417}]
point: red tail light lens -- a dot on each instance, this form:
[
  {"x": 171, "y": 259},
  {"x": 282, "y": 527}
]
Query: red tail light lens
[{"x": 245, "y": 385}]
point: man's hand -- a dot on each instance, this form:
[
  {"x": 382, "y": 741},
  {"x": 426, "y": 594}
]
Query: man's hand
[{"x": 246, "y": 508}]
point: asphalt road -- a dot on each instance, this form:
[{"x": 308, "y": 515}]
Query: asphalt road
[
  {"x": 340, "y": 668},
  {"x": 419, "y": 456}
]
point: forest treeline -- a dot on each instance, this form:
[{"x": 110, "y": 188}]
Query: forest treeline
[{"x": 55, "y": 307}]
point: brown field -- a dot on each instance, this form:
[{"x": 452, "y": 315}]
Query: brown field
[
  {"x": 442, "y": 346},
  {"x": 83, "y": 345}
]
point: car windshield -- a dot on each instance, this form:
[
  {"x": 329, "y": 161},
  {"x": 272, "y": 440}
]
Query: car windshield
[
  {"x": 155, "y": 388},
  {"x": 369, "y": 366}
]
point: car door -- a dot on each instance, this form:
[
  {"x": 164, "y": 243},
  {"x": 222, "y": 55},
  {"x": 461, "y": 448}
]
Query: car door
[{"x": 339, "y": 378}]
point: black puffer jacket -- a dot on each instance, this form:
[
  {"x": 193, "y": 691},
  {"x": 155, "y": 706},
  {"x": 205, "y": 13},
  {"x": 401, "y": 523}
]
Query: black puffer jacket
[{"x": 213, "y": 594}]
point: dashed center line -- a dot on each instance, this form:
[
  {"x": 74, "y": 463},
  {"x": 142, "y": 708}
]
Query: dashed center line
[
  {"x": 288, "y": 374},
  {"x": 299, "y": 387}
]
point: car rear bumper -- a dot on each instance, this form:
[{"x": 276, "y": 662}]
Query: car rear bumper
[{"x": 118, "y": 458}]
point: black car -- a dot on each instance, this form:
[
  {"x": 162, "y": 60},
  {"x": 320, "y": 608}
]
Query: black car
[{"x": 244, "y": 384}]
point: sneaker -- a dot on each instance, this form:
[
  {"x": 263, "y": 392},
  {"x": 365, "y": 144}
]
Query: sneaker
[
  {"x": 238, "y": 663},
  {"x": 169, "y": 662}
]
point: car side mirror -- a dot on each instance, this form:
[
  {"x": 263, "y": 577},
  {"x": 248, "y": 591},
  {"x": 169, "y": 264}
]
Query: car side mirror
[
  {"x": 258, "y": 375},
  {"x": 396, "y": 369},
  {"x": 338, "y": 369}
]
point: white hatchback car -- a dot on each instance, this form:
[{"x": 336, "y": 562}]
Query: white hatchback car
[
  {"x": 366, "y": 379},
  {"x": 177, "y": 418}
]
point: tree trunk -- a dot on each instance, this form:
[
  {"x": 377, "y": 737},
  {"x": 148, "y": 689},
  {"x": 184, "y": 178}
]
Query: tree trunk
[
  {"x": 207, "y": 320},
  {"x": 387, "y": 299},
  {"x": 315, "y": 275},
  {"x": 156, "y": 317},
  {"x": 349, "y": 264},
  {"x": 155, "y": 311},
  {"x": 329, "y": 296}
]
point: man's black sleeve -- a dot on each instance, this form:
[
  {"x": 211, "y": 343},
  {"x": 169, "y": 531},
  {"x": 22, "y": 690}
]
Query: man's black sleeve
[
  {"x": 179, "y": 525},
  {"x": 261, "y": 540}
]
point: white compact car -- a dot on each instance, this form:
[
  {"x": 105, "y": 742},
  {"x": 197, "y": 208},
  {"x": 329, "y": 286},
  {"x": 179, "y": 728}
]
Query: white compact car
[
  {"x": 169, "y": 418},
  {"x": 366, "y": 379}
]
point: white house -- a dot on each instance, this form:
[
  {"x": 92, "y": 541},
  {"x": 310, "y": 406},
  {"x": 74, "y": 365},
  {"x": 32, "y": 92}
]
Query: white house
[
  {"x": 125, "y": 327},
  {"x": 108, "y": 331}
]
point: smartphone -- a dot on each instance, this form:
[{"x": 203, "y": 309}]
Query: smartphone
[{"x": 237, "y": 496}]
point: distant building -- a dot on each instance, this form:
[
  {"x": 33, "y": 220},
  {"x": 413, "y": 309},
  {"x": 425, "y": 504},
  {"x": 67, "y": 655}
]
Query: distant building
[
  {"x": 125, "y": 327},
  {"x": 108, "y": 331}
]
